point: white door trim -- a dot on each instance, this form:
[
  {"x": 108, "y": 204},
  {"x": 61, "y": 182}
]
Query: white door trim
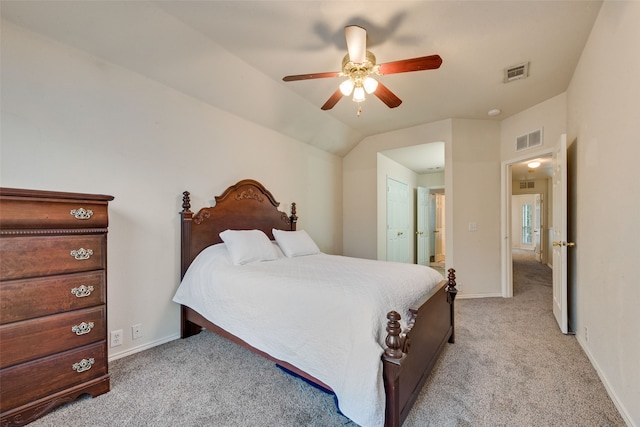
[{"x": 505, "y": 216}]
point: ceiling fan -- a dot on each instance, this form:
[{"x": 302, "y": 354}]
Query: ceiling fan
[{"x": 359, "y": 65}]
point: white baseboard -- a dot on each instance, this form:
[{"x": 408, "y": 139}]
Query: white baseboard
[
  {"x": 623, "y": 412},
  {"x": 134, "y": 350},
  {"x": 469, "y": 296}
]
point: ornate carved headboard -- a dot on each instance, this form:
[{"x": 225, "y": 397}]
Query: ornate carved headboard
[{"x": 246, "y": 205}]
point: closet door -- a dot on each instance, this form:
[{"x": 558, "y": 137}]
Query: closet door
[{"x": 397, "y": 221}]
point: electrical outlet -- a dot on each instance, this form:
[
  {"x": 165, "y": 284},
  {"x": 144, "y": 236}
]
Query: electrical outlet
[
  {"x": 136, "y": 331},
  {"x": 586, "y": 334},
  {"x": 116, "y": 338}
]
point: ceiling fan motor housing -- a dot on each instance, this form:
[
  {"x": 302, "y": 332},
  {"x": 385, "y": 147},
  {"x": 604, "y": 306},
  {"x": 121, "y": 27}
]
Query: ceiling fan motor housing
[{"x": 356, "y": 71}]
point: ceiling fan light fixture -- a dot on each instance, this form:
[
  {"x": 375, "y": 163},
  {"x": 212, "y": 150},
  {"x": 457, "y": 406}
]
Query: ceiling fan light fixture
[
  {"x": 359, "y": 64},
  {"x": 346, "y": 87},
  {"x": 370, "y": 84}
]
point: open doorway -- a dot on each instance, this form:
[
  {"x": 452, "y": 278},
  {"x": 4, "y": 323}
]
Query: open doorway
[
  {"x": 437, "y": 228},
  {"x": 523, "y": 177},
  {"x": 422, "y": 167}
]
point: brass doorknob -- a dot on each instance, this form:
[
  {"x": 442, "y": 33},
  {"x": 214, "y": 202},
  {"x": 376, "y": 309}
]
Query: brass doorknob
[{"x": 568, "y": 244}]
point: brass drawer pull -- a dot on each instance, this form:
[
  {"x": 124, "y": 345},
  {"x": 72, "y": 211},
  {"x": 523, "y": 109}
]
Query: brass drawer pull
[
  {"x": 82, "y": 328},
  {"x": 82, "y": 291},
  {"x": 83, "y": 365},
  {"x": 81, "y": 213},
  {"x": 81, "y": 253}
]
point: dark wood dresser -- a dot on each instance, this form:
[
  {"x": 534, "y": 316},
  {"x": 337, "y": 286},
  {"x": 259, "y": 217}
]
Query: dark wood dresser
[{"x": 53, "y": 294}]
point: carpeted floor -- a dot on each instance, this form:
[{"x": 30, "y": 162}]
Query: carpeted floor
[{"x": 510, "y": 366}]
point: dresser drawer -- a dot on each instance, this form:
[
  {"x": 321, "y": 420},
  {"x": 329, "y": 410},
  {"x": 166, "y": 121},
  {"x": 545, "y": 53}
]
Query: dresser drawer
[
  {"x": 23, "y": 299},
  {"x": 35, "y": 338},
  {"x": 21, "y": 213},
  {"x": 33, "y": 380},
  {"x": 22, "y": 257}
]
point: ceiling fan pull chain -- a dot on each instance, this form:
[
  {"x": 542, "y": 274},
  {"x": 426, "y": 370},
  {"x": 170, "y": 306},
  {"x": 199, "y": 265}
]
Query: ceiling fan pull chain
[{"x": 359, "y": 110}]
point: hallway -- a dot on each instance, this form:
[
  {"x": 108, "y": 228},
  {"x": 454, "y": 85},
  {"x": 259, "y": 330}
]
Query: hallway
[{"x": 529, "y": 272}]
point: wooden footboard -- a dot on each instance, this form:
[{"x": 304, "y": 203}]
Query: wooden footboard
[
  {"x": 408, "y": 359},
  {"x": 410, "y": 356}
]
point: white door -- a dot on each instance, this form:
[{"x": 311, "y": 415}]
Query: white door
[
  {"x": 422, "y": 224},
  {"x": 439, "y": 230},
  {"x": 523, "y": 221},
  {"x": 397, "y": 221},
  {"x": 537, "y": 224},
  {"x": 560, "y": 244}
]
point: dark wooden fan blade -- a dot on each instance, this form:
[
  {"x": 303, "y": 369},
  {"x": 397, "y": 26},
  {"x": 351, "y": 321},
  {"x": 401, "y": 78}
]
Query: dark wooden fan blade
[
  {"x": 387, "y": 96},
  {"x": 333, "y": 100},
  {"x": 414, "y": 64},
  {"x": 310, "y": 76}
]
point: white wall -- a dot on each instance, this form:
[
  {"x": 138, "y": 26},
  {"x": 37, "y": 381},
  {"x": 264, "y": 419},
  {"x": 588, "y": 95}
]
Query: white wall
[
  {"x": 71, "y": 122},
  {"x": 550, "y": 115},
  {"x": 604, "y": 124},
  {"x": 476, "y": 198},
  {"x": 431, "y": 180}
]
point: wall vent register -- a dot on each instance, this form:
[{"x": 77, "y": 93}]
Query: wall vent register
[
  {"x": 516, "y": 72},
  {"x": 529, "y": 140}
]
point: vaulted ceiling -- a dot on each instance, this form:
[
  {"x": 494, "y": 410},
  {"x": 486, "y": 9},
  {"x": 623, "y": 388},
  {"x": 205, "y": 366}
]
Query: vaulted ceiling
[{"x": 233, "y": 55}]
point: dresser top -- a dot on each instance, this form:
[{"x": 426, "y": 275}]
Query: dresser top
[{"x": 18, "y": 192}]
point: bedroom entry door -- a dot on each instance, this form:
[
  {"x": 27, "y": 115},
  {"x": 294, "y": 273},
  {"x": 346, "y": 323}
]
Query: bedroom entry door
[
  {"x": 397, "y": 221},
  {"x": 560, "y": 244}
]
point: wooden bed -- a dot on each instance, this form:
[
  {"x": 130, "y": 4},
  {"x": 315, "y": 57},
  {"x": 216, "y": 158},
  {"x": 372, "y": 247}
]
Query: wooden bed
[{"x": 409, "y": 355}]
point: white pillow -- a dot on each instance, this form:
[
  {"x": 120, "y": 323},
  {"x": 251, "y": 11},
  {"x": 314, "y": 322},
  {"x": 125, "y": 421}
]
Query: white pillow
[
  {"x": 295, "y": 243},
  {"x": 248, "y": 246}
]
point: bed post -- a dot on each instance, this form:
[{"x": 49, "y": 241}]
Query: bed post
[
  {"x": 410, "y": 355},
  {"x": 393, "y": 355},
  {"x": 187, "y": 328},
  {"x": 452, "y": 291},
  {"x": 186, "y": 215},
  {"x": 293, "y": 219}
]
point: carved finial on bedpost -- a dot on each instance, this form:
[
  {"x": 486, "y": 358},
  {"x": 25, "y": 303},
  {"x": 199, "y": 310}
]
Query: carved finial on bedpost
[
  {"x": 451, "y": 289},
  {"x": 186, "y": 202},
  {"x": 293, "y": 218},
  {"x": 393, "y": 340}
]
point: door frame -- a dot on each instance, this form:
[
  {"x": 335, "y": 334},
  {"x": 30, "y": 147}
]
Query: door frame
[{"x": 506, "y": 189}]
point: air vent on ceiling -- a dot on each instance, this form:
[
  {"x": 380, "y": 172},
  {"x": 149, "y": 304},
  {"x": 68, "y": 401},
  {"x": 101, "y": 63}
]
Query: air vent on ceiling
[
  {"x": 527, "y": 184},
  {"x": 516, "y": 72},
  {"x": 532, "y": 139}
]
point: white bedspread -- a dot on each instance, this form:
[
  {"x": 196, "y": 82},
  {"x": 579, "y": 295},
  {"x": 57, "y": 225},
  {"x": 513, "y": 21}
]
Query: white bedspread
[{"x": 324, "y": 314}]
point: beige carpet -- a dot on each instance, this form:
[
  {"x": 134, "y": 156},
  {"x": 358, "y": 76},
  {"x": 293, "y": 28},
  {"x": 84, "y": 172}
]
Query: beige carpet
[{"x": 510, "y": 366}]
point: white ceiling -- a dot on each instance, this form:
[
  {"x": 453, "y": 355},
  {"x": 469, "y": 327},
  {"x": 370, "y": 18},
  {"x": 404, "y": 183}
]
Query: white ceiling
[
  {"x": 233, "y": 55},
  {"x": 522, "y": 172},
  {"x": 422, "y": 158}
]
